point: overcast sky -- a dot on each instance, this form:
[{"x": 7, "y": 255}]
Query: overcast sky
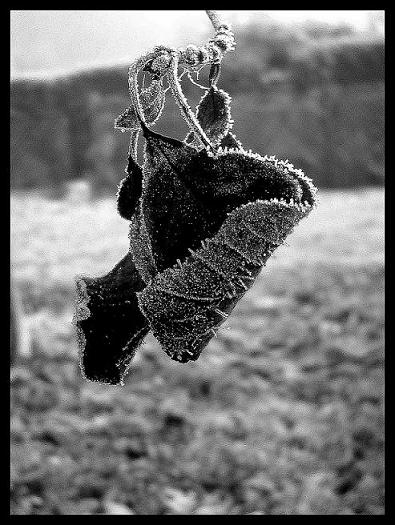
[{"x": 63, "y": 40}]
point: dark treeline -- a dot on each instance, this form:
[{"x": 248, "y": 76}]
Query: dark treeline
[{"x": 314, "y": 95}]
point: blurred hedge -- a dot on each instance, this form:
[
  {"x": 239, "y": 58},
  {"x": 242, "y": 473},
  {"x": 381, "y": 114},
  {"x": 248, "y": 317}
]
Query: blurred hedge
[{"x": 312, "y": 95}]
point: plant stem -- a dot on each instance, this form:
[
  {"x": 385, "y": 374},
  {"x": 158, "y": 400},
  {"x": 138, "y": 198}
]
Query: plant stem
[
  {"x": 215, "y": 20},
  {"x": 134, "y": 137},
  {"x": 172, "y": 75},
  {"x": 133, "y": 82},
  {"x": 183, "y": 104}
]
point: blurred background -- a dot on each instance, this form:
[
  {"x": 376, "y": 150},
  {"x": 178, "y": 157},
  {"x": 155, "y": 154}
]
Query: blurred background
[{"x": 283, "y": 412}]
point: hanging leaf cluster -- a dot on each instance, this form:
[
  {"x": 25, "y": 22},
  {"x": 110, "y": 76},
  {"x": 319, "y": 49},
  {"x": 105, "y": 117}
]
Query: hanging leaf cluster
[{"x": 203, "y": 223}]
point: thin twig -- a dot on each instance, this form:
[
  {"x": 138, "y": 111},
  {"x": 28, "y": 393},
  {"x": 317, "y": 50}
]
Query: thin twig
[
  {"x": 133, "y": 83},
  {"x": 196, "y": 83},
  {"x": 215, "y": 19},
  {"x": 183, "y": 104},
  {"x": 165, "y": 61},
  {"x": 134, "y": 137}
]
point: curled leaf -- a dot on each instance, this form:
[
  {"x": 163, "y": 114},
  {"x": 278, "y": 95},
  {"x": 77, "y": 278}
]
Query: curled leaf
[
  {"x": 188, "y": 194},
  {"x": 240, "y": 205},
  {"x": 213, "y": 114},
  {"x": 110, "y": 325},
  {"x": 140, "y": 247},
  {"x": 185, "y": 305},
  {"x": 225, "y": 139},
  {"x": 129, "y": 191},
  {"x": 173, "y": 217},
  {"x": 152, "y": 101},
  {"x": 201, "y": 230}
]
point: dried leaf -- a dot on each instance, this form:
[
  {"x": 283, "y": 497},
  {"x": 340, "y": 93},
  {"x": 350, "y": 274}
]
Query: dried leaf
[
  {"x": 140, "y": 247},
  {"x": 213, "y": 114},
  {"x": 174, "y": 218},
  {"x": 241, "y": 205},
  {"x": 244, "y": 203},
  {"x": 110, "y": 325},
  {"x": 205, "y": 226},
  {"x": 152, "y": 101},
  {"x": 129, "y": 191},
  {"x": 186, "y": 305},
  {"x": 188, "y": 194}
]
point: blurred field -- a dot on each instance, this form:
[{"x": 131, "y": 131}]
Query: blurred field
[
  {"x": 312, "y": 94},
  {"x": 282, "y": 414}
]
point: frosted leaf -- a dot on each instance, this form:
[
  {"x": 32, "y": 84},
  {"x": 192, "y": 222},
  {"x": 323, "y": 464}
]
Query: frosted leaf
[
  {"x": 229, "y": 141},
  {"x": 140, "y": 247},
  {"x": 200, "y": 232},
  {"x": 159, "y": 65},
  {"x": 152, "y": 100},
  {"x": 188, "y": 194},
  {"x": 129, "y": 191},
  {"x": 110, "y": 325},
  {"x": 203, "y": 223},
  {"x": 241, "y": 205},
  {"x": 184, "y": 324},
  {"x": 174, "y": 218},
  {"x": 213, "y": 114}
]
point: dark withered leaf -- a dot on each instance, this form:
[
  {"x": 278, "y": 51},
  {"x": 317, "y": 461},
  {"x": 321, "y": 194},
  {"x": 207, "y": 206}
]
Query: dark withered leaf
[
  {"x": 129, "y": 191},
  {"x": 188, "y": 194},
  {"x": 234, "y": 178},
  {"x": 140, "y": 247},
  {"x": 213, "y": 114},
  {"x": 202, "y": 225},
  {"x": 152, "y": 100},
  {"x": 110, "y": 325},
  {"x": 174, "y": 218},
  {"x": 241, "y": 204},
  {"x": 185, "y": 305}
]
